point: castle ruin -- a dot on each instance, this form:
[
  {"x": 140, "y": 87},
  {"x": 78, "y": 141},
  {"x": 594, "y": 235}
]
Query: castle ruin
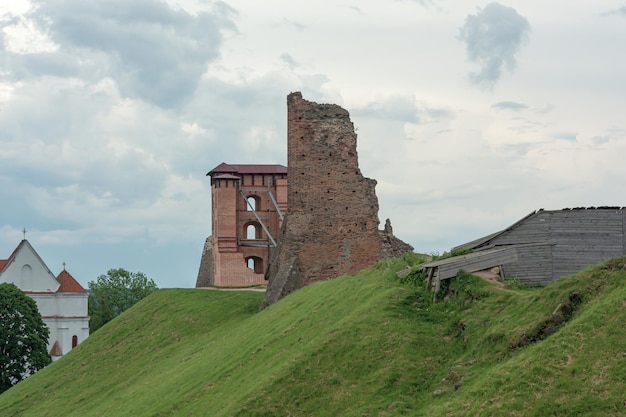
[
  {"x": 331, "y": 228},
  {"x": 322, "y": 213}
]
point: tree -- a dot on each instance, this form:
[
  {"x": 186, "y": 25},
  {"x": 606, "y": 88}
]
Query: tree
[
  {"x": 23, "y": 337},
  {"x": 115, "y": 292}
]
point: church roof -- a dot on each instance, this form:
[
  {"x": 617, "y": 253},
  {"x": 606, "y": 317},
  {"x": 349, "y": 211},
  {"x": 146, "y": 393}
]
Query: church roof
[
  {"x": 225, "y": 168},
  {"x": 56, "y": 349},
  {"x": 68, "y": 283},
  {"x": 5, "y": 262}
]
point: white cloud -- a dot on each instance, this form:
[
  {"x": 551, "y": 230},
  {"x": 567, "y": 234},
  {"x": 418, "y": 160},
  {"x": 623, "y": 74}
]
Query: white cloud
[
  {"x": 493, "y": 37},
  {"x": 23, "y": 37}
]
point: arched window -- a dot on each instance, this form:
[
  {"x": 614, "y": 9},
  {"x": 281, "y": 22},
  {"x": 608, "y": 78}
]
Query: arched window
[
  {"x": 252, "y": 203},
  {"x": 26, "y": 273},
  {"x": 74, "y": 341},
  {"x": 255, "y": 263},
  {"x": 253, "y": 231}
]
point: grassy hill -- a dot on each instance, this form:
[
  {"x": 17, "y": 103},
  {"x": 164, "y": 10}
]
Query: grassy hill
[{"x": 367, "y": 345}]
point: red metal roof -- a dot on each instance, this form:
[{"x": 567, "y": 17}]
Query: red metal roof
[
  {"x": 68, "y": 283},
  {"x": 225, "y": 168},
  {"x": 226, "y": 177},
  {"x": 3, "y": 263},
  {"x": 56, "y": 349}
]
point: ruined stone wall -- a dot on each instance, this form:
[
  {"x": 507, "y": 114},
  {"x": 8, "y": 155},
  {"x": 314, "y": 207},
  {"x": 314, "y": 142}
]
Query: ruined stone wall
[
  {"x": 206, "y": 272},
  {"x": 331, "y": 228},
  {"x": 392, "y": 247}
]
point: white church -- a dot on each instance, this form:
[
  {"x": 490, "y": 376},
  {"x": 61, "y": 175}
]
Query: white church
[{"x": 61, "y": 300}]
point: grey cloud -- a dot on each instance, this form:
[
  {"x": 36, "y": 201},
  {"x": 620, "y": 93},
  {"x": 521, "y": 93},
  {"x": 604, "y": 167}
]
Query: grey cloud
[
  {"x": 402, "y": 108},
  {"x": 517, "y": 149},
  {"x": 288, "y": 59},
  {"x": 600, "y": 140},
  {"x": 59, "y": 134},
  {"x": 423, "y": 2},
  {"x": 509, "y": 105},
  {"x": 524, "y": 125},
  {"x": 355, "y": 9},
  {"x": 153, "y": 52},
  {"x": 621, "y": 11},
  {"x": 493, "y": 37},
  {"x": 40, "y": 111},
  {"x": 546, "y": 109},
  {"x": 287, "y": 22},
  {"x": 56, "y": 64},
  {"x": 565, "y": 136},
  {"x": 436, "y": 113},
  {"x": 227, "y": 114}
]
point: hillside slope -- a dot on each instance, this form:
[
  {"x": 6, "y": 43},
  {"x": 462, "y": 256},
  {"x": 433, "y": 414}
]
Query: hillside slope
[{"x": 367, "y": 345}]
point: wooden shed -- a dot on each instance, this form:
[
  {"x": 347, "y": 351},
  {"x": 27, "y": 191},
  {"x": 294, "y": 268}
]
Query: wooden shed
[
  {"x": 550, "y": 244},
  {"x": 438, "y": 271}
]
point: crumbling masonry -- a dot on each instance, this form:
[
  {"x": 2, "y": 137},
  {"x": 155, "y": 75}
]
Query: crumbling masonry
[{"x": 331, "y": 227}]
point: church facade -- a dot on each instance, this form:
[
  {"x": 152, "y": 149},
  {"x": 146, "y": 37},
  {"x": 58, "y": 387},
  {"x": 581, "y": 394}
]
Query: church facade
[{"x": 61, "y": 300}]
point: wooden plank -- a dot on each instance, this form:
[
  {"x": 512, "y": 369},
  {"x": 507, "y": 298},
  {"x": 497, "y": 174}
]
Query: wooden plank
[
  {"x": 590, "y": 220},
  {"x": 477, "y": 262},
  {"x": 534, "y": 265}
]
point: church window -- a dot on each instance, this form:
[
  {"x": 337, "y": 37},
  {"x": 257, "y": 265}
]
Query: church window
[
  {"x": 74, "y": 341},
  {"x": 26, "y": 274}
]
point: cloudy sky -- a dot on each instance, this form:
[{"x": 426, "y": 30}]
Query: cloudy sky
[{"x": 469, "y": 114}]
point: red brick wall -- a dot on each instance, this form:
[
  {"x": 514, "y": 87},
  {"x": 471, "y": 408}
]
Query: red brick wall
[
  {"x": 232, "y": 271},
  {"x": 332, "y": 221},
  {"x": 230, "y": 246},
  {"x": 225, "y": 231}
]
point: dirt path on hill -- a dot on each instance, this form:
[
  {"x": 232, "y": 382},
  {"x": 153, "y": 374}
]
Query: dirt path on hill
[{"x": 493, "y": 277}]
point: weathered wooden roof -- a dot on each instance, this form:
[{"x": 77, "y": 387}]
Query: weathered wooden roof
[
  {"x": 481, "y": 241},
  {"x": 472, "y": 262}
]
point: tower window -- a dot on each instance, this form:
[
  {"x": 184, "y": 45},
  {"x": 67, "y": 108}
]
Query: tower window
[{"x": 252, "y": 203}]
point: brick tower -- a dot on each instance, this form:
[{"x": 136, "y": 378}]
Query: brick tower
[{"x": 248, "y": 204}]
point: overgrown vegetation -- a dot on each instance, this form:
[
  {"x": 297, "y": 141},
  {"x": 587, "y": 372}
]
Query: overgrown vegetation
[
  {"x": 117, "y": 291},
  {"x": 369, "y": 345}
]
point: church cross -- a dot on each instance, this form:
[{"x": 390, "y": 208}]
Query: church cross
[{"x": 24, "y": 232}]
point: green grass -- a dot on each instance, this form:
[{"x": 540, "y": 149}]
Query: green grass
[{"x": 365, "y": 345}]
